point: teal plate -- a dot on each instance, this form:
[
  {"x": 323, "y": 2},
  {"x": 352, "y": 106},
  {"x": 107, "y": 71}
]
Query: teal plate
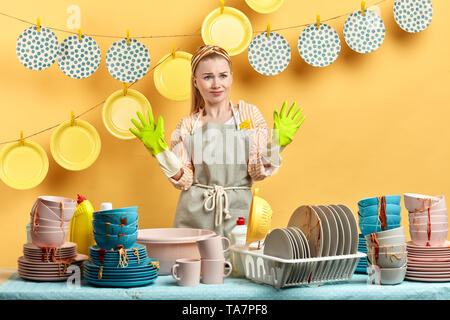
[{"x": 126, "y": 284}]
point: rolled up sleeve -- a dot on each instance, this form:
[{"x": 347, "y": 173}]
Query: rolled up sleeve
[{"x": 178, "y": 147}]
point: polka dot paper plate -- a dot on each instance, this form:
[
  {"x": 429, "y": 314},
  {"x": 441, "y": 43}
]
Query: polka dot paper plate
[
  {"x": 79, "y": 58},
  {"x": 413, "y": 15},
  {"x": 364, "y": 33},
  {"x": 172, "y": 76},
  {"x": 23, "y": 166},
  {"x": 319, "y": 47},
  {"x": 230, "y": 30},
  {"x": 269, "y": 55},
  {"x": 37, "y": 50},
  {"x": 75, "y": 147},
  {"x": 128, "y": 62}
]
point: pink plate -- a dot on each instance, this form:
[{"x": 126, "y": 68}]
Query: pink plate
[
  {"x": 430, "y": 269},
  {"x": 428, "y": 259},
  {"x": 66, "y": 245},
  {"x": 443, "y": 247},
  {"x": 45, "y": 279},
  {"x": 427, "y": 279},
  {"x": 428, "y": 273}
]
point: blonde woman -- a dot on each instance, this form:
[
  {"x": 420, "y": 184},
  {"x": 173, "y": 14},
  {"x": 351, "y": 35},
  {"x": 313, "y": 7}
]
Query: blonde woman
[{"x": 220, "y": 149}]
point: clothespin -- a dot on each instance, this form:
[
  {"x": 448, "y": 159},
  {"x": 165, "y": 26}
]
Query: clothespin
[
  {"x": 72, "y": 118},
  {"x": 125, "y": 89},
  {"x": 79, "y": 34},
  {"x": 318, "y": 21},
  {"x": 173, "y": 51},
  {"x": 222, "y": 4},
  {"x": 268, "y": 30},
  {"x": 21, "y": 141},
  {"x": 128, "y": 36},
  {"x": 363, "y": 7},
  {"x": 38, "y": 24}
]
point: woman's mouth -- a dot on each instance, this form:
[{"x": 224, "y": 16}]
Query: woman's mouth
[{"x": 217, "y": 93}]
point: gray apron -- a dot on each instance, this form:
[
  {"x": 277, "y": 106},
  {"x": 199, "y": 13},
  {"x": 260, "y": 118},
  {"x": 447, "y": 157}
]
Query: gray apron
[{"x": 221, "y": 190}]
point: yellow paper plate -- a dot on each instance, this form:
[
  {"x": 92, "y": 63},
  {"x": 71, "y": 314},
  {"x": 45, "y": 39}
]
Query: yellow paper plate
[
  {"x": 118, "y": 110},
  {"x": 265, "y": 6},
  {"x": 230, "y": 30},
  {"x": 172, "y": 76},
  {"x": 75, "y": 147},
  {"x": 23, "y": 166}
]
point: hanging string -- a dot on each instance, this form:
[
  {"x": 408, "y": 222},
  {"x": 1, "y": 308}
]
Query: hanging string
[{"x": 145, "y": 37}]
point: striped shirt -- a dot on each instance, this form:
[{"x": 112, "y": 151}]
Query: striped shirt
[{"x": 259, "y": 133}]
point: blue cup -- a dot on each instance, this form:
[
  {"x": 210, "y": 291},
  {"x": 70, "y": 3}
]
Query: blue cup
[
  {"x": 112, "y": 241},
  {"x": 101, "y": 227},
  {"x": 391, "y": 209},
  {"x": 373, "y": 201},
  {"x": 367, "y": 229}
]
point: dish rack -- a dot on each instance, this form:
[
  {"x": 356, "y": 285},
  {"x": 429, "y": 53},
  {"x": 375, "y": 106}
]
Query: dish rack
[{"x": 281, "y": 273}]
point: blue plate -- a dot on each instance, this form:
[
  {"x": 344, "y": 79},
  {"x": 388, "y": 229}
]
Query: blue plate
[
  {"x": 138, "y": 246},
  {"x": 127, "y": 276},
  {"x": 90, "y": 266},
  {"x": 114, "y": 264},
  {"x": 126, "y": 284},
  {"x": 374, "y": 201}
]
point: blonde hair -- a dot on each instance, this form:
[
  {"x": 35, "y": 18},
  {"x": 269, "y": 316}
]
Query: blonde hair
[{"x": 203, "y": 53}]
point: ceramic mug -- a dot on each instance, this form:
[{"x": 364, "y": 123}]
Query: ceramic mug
[
  {"x": 186, "y": 272},
  {"x": 213, "y": 270},
  {"x": 212, "y": 248}
]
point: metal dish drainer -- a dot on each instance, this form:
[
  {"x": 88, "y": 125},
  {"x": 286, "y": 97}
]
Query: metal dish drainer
[{"x": 281, "y": 273}]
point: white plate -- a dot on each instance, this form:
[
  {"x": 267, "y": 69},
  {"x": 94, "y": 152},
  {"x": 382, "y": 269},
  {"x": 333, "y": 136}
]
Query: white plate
[
  {"x": 325, "y": 229},
  {"x": 278, "y": 244},
  {"x": 307, "y": 254},
  {"x": 346, "y": 226},
  {"x": 334, "y": 234},
  {"x": 353, "y": 227},
  {"x": 307, "y": 220},
  {"x": 294, "y": 252},
  {"x": 341, "y": 233}
]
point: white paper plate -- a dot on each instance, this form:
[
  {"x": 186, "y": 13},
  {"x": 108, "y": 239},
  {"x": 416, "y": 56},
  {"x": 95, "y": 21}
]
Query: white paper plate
[
  {"x": 413, "y": 16},
  {"x": 269, "y": 56}
]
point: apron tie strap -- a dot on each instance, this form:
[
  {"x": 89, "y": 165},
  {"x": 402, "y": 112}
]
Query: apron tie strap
[{"x": 216, "y": 199}]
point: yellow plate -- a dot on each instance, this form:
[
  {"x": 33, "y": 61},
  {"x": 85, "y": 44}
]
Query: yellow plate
[
  {"x": 172, "y": 76},
  {"x": 265, "y": 6},
  {"x": 23, "y": 167},
  {"x": 75, "y": 147},
  {"x": 231, "y": 30},
  {"x": 118, "y": 110}
]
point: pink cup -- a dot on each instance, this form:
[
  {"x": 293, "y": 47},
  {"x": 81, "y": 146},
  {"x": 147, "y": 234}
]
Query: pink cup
[
  {"x": 212, "y": 248},
  {"x": 187, "y": 272},
  {"x": 213, "y": 270}
]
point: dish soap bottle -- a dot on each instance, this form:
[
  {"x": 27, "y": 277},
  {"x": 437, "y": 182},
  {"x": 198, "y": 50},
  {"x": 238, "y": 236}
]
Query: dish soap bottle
[
  {"x": 81, "y": 231},
  {"x": 239, "y": 233}
]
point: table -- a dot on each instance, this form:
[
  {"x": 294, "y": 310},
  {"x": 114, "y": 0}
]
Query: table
[{"x": 12, "y": 287}]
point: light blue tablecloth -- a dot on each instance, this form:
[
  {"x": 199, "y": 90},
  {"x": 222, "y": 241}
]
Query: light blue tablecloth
[{"x": 165, "y": 288}]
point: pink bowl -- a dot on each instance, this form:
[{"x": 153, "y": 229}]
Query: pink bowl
[
  {"x": 53, "y": 201},
  {"x": 50, "y": 223},
  {"x": 55, "y": 214},
  {"x": 169, "y": 244},
  {"x": 437, "y": 237},
  {"x": 419, "y": 202},
  {"x": 48, "y": 239},
  {"x": 424, "y": 219},
  {"x": 433, "y": 226}
]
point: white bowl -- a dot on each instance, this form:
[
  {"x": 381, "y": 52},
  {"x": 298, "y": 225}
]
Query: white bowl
[
  {"x": 393, "y": 275},
  {"x": 424, "y": 219},
  {"x": 389, "y": 248},
  {"x": 437, "y": 237},
  {"x": 389, "y": 260},
  {"x": 419, "y": 202},
  {"x": 387, "y": 241},
  {"x": 424, "y": 226},
  {"x": 400, "y": 231}
]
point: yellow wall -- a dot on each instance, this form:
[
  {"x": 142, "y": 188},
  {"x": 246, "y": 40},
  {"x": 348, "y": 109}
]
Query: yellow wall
[{"x": 377, "y": 124}]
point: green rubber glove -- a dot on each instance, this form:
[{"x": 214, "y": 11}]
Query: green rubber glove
[
  {"x": 287, "y": 124},
  {"x": 152, "y": 136}
]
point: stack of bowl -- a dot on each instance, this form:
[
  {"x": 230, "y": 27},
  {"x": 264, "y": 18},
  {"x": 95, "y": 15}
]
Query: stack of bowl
[
  {"x": 116, "y": 228},
  {"x": 362, "y": 247},
  {"x": 387, "y": 250},
  {"x": 428, "y": 220},
  {"x": 50, "y": 219},
  {"x": 371, "y": 213}
]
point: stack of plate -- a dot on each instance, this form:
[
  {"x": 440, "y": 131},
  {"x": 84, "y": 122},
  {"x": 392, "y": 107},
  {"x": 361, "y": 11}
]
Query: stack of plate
[
  {"x": 362, "y": 247},
  {"x": 120, "y": 268},
  {"x": 428, "y": 264},
  {"x": 48, "y": 264}
]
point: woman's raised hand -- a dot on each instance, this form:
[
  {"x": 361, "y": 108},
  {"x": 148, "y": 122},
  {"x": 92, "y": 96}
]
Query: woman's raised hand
[
  {"x": 150, "y": 134},
  {"x": 287, "y": 124}
]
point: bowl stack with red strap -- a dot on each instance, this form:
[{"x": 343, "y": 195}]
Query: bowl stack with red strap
[
  {"x": 49, "y": 256},
  {"x": 429, "y": 249}
]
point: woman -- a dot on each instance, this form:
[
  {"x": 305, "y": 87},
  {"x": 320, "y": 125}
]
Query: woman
[{"x": 220, "y": 149}]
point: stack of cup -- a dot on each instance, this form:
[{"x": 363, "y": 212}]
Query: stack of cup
[
  {"x": 211, "y": 268},
  {"x": 386, "y": 251},
  {"x": 428, "y": 220}
]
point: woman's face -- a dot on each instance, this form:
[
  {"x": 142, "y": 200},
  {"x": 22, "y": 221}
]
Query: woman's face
[{"x": 213, "y": 78}]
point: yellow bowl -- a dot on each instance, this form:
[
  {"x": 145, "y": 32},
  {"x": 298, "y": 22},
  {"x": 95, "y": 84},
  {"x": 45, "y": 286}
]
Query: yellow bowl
[{"x": 259, "y": 220}]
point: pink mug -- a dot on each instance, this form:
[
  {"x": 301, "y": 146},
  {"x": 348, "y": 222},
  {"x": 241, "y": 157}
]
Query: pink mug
[
  {"x": 213, "y": 270},
  {"x": 212, "y": 248},
  {"x": 187, "y": 272}
]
